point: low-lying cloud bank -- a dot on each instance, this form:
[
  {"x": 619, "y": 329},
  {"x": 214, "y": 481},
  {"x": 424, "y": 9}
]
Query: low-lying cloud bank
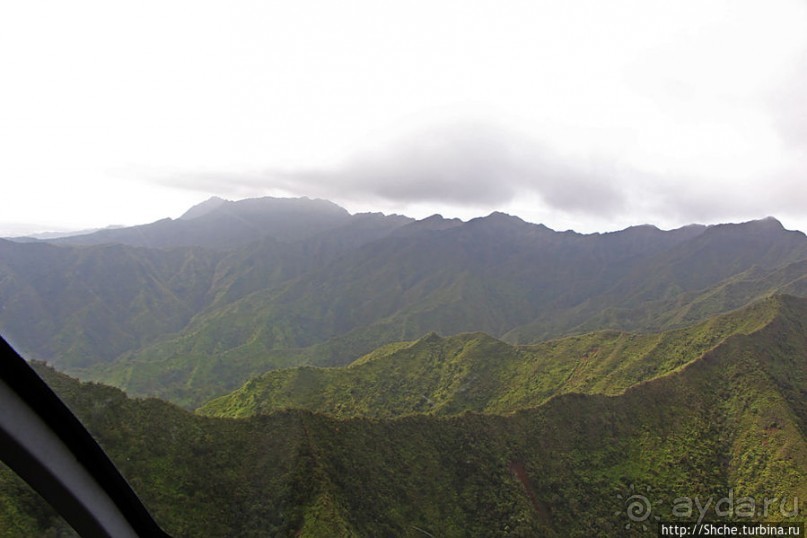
[{"x": 491, "y": 167}]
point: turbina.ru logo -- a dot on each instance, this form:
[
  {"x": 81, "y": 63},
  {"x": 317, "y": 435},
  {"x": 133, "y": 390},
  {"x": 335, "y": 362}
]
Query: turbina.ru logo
[{"x": 637, "y": 507}]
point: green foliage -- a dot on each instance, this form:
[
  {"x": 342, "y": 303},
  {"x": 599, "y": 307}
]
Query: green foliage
[
  {"x": 23, "y": 513},
  {"x": 530, "y": 432},
  {"x": 89, "y": 305},
  {"x": 475, "y": 372},
  {"x": 730, "y": 421},
  {"x": 190, "y": 309},
  {"x": 519, "y": 282}
]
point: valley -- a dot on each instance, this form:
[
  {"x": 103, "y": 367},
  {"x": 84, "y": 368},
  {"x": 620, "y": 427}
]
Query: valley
[{"x": 308, "y": 372}]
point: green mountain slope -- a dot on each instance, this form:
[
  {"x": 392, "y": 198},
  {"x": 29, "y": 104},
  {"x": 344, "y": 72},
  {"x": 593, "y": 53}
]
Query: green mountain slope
[
  {"x": 730, "y": 424},
  {"x": 89, "y": 305},
  {"x": 498, "y": 275},
  {"x": 83, "y": 306},
  {"x": 475, "y": 372},
  {"x": 723, "y": 268},
  {"x": 271, "y": 283}
]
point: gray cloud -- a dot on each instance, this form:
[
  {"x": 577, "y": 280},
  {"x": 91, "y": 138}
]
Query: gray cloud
[
  {"x": 789, "y": 108},
  {"x": 487, "y": 167},
  {"x": 682, "y": 200},
  {"x": 469, "y": 164}
]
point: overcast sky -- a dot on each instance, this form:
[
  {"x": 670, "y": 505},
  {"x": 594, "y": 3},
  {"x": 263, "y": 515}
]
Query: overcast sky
[{"x": 587, "y": 115}]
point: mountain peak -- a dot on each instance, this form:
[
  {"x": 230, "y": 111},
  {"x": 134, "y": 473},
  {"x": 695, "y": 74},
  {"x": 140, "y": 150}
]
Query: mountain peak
[
  {"x": 767, "y": 223},
  {"x": 759, "y": 227},
  {"x": 217, "y": 223},
  {"x": 438, "y": 220},
  {"x": 431, "y": 337},
  {"x": 502, "y": 222},
  {"x": 639, "y": 228},
  {"x": 497, "y": 218},
  {"x": 770, "y": 222},
  {"x": 211, "y": 204},
  {"x": 434, "y": 223},
  {"x": 500, "y": 216}
]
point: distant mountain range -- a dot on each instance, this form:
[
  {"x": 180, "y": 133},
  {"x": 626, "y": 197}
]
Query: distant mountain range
[
  {"x": 374, "y": 375},
  {"x": 49, "y": 236},
  {"x": 191, "y": 308}
]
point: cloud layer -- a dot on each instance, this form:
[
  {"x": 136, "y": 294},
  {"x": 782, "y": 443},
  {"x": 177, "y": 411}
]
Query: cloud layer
[
  {"x": 463, "y": 164},
  {"x": 614, "y": 113}
]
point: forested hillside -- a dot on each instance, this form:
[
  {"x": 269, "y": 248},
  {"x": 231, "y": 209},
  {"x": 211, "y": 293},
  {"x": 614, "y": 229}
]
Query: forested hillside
[
  {"x": 189, "y": 309},
  {"x": 729, "y": 420}
]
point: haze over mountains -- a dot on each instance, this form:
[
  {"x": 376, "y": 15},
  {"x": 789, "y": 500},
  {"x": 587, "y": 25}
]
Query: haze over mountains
[
  {"x": 188, "y": 309},
  {"x": 373, "y": 375}
]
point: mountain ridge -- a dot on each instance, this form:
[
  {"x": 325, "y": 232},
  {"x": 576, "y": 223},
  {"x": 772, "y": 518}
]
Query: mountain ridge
[
  {"x": 474, "y": 372},
  {"x": 222, "y": 224},
  {"x": 196, "y": 321},
  {"x": 729, "y": 424},
  {"x": 451, "y": 283}
]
